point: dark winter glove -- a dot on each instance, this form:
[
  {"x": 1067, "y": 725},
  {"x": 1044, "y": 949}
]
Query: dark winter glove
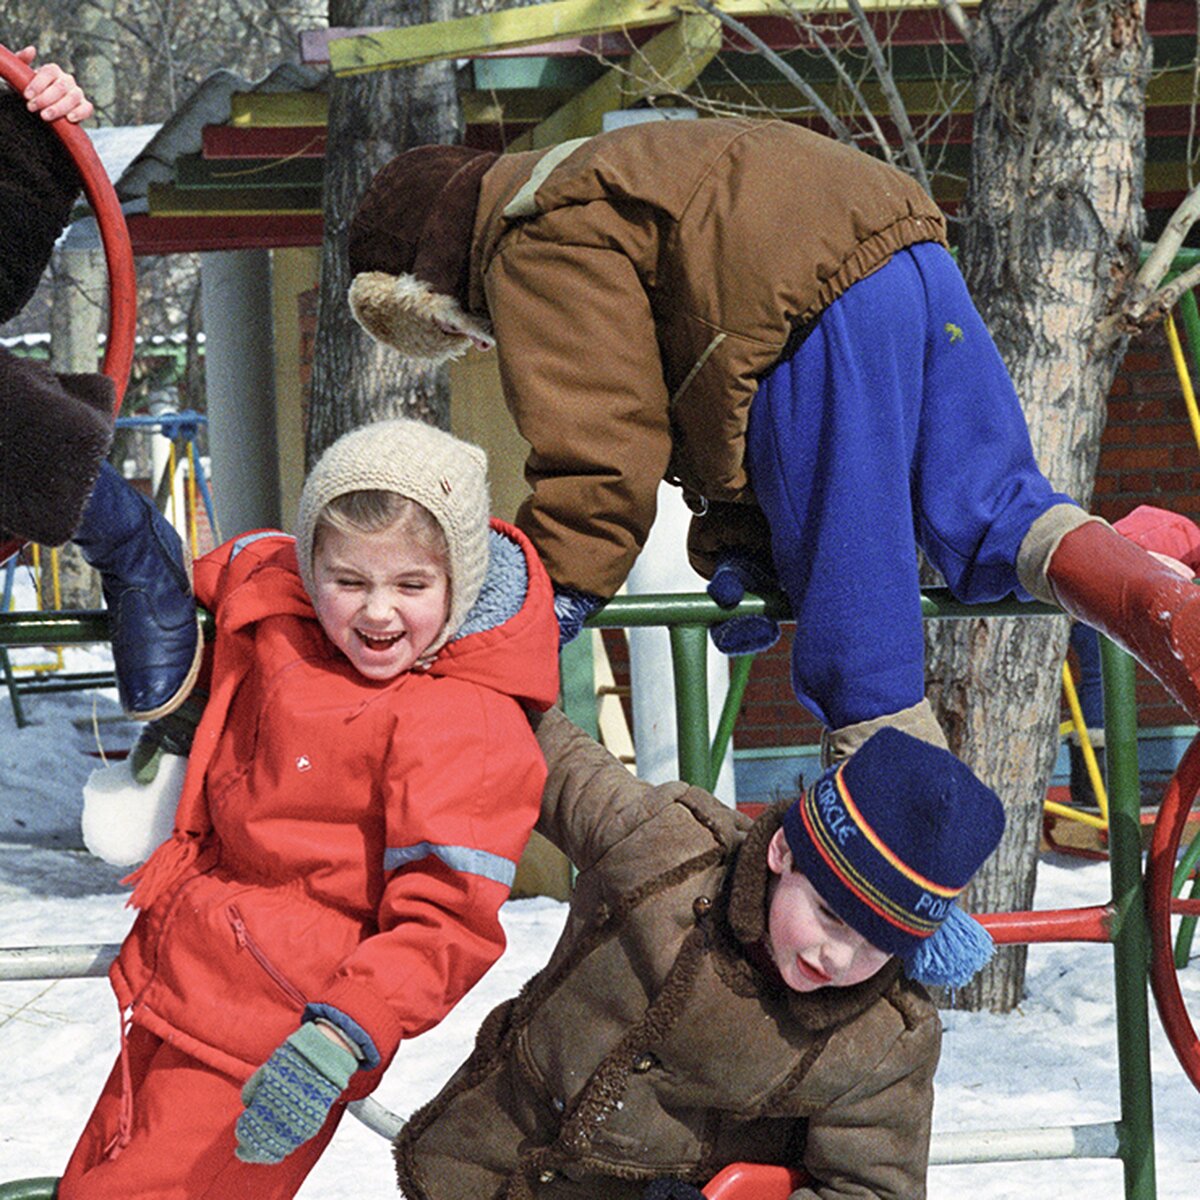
[
  {"x": 171, "y": 734},
  {"x": 735, "y": 575},
  {"x": 288, "y": 1098},
  {"x": 672, "y": 1189},
  {"x": 572, "y": 607}
]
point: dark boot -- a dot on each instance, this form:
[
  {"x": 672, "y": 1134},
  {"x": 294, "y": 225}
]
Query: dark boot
[
  {"x": 155, "y": 631},
  {"x": 1107, "y": 582},
  {"x": 1083, "y": 794}
]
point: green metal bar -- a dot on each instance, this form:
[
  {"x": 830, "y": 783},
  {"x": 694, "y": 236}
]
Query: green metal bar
[
  {"x": 695, "y": 608},
  {"x": 45, "y": 1188},
  {"x": 577, "y": 682},
  {"x": 14, "y": 694},
  {"x": 54, "y": 628},
  {"x": 1131, "y": 936},
  {"x": 689, "y": 651},
  {"x": 739, "y": 676},
  {"x": 1187, "y": 925}
]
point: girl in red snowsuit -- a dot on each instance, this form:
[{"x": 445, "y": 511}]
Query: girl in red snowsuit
[{"x": 358, "y": 793}]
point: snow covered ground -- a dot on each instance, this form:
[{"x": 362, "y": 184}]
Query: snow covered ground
[{"x": 1053, "y": 1062}]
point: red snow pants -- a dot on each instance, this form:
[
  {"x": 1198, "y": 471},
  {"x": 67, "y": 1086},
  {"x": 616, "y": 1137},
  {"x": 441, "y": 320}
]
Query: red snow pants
[{"x": 181, "y": 1144}]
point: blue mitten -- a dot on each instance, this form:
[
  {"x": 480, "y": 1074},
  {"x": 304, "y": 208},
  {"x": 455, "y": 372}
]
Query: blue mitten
[
  {"x": 735, "y": 575},
  {"x": 671, "y": 1189},
  {"x": 572, "y": 607},
  {"x": 288, "y": 1098}
]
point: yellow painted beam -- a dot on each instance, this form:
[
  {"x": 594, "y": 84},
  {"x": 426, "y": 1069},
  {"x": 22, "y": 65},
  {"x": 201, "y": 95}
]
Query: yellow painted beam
[
  {"x": 165, "y": 200},
  {"x": 413, "y": 44},
  {"x": 278, "y": 108},
  {"x": 667, "y": 63}
]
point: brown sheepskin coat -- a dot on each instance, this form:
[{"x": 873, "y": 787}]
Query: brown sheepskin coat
[
  {"x": 640, "y": 283},
  {"x": 654, "y": 1044}
]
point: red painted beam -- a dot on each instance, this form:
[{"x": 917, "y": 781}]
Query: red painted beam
[
  {"x": 277, "y": 141},
  {"x": 177, "y": 235}
]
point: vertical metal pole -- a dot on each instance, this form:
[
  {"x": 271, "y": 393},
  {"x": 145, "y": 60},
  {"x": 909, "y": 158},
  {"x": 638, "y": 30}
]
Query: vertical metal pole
[
  {"x": 577, "y": 675},
  {"x": 689, "y": 648},
  {"x": 739, "y": 676},
  {"x": 1131, "y": 938}
]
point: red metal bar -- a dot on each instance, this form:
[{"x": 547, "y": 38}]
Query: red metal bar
[
  {"x": 754, "y": 1181},
  {"x": 1049, "y": 925}
]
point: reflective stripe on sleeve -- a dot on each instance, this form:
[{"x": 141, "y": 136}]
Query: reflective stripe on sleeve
[{"x": 458, "y": 858}]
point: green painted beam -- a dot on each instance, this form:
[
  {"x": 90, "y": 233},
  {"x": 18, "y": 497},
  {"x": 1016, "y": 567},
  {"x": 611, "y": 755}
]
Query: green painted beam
[
  {"x": 168, "y": 201},
  {"x": 410, "y": 45},
  {"x": 194, "y": 171}
]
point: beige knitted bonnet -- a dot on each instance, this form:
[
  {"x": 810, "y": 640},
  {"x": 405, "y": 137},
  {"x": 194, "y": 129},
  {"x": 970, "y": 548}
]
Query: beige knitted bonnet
[{"x": 443, "y": 474}]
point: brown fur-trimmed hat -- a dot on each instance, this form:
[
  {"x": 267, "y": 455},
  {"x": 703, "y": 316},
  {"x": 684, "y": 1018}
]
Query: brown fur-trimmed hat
[{"x": 417, "y": 215}]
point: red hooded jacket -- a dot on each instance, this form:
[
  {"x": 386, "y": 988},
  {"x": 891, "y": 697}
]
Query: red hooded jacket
[{"x": 349, "y": 842}]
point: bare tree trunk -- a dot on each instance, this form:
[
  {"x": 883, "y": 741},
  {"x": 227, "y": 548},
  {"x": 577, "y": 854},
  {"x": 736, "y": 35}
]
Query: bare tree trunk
[
  {"x": 372, "y": 117},
  {"x": 1049, "y": 244}
]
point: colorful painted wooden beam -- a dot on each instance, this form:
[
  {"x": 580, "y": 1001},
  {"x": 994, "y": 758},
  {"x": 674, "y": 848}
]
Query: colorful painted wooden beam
[
  {"x": 670, "y": 61},
  {"x": 559, "y": 20},
  {"x": 166, "y": 200},
  {"x": 278, "y": 108},
  {"x": 195, "y": 172},
  {"x": 178, "y": 235},
  {"x": 269, "y": 141}
]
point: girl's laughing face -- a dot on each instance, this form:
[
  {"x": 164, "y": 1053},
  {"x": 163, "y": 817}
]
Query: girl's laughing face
[{"x": 381, "y": 599}]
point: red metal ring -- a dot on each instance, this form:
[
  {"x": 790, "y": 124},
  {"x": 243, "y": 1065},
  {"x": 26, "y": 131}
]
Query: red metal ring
[
  {"x": 114, "y": 236},
  {"x": 1160, "y": 869}
]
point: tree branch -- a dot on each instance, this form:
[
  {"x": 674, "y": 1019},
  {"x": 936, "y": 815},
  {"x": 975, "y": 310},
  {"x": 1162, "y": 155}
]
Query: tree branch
[
  {"x": 912, "y": 152},
  {"x": 959, "y": 19},
  {"x": 1143, "y": 298},
  {"x": 830, "y": 117}
]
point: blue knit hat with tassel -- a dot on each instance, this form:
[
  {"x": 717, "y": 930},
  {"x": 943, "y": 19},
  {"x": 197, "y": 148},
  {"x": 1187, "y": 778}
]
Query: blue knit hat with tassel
[{"x": 889, "y": 838}]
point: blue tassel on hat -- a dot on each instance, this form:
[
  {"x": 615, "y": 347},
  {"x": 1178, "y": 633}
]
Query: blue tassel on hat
[{"x": 951, "y": 956}]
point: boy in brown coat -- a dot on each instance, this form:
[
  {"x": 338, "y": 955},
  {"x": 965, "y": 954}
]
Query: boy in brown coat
[
  {"x": 771, "y": 320},
  {"x": 724, "y": 991}
]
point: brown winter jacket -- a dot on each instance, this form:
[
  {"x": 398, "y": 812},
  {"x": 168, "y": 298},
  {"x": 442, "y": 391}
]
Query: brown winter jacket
[
  {"x": 652, "y": 1045},
  {"x": 640, "y": 282}
]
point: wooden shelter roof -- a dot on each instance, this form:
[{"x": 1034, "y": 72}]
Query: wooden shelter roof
[{"x": 244, "y": 165}]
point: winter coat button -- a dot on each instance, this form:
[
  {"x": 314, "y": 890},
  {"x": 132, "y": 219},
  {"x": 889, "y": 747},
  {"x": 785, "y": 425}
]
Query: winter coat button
[
  {"x": 644, "y": 1062},
  {"x": 547, "y": 1177},
  {"x": 700, "y": 906}
]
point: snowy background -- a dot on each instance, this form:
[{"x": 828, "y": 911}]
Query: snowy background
[{"x": 1051, "y": 1062}]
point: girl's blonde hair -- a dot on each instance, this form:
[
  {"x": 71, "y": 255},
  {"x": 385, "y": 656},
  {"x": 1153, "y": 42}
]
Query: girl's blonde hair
[{"x": 374, "y": 511}]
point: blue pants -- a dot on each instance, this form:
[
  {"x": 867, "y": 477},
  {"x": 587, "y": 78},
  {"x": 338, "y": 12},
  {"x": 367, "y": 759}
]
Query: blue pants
[{"x": 895, "y": 424}]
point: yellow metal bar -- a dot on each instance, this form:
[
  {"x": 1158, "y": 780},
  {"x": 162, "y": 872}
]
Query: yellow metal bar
[
  {"x": 669, "y": 62},
  {"x": 1085, "y": 745},
  {"x": 193, "y": 536},
  {"x": 557, "y": 21},
  {"x": 1185, "y": 378},
  {"x": 172, "y": 466},
  {"x": 1073, "y": 814}
]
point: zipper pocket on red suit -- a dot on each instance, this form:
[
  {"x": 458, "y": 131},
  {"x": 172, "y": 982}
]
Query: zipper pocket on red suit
[{"x": 247, "y": 942}]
